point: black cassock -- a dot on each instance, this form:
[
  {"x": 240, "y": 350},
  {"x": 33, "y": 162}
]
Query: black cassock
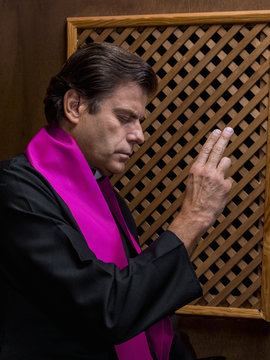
[{"x": 58, "y": 301}]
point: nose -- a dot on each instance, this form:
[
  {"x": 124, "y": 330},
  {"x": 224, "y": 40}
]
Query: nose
[{"x": 136, "y": 135}]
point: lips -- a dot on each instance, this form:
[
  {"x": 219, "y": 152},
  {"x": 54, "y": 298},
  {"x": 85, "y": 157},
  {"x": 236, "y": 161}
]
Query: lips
[
  {"x": 129, "y": 152},
  {"x": 124, "y": 156}
]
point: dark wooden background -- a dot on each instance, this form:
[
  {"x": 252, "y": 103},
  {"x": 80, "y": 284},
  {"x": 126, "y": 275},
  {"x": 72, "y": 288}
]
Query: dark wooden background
[{"x": 33, "y": 47}]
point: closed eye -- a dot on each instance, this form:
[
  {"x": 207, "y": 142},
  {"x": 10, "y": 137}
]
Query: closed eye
[
  {"x": 126, "y": 116},
  {"x": 124, "y": 119}
]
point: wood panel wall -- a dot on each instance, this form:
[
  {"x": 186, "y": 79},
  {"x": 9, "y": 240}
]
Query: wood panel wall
[{"x": 33, "y": 47}]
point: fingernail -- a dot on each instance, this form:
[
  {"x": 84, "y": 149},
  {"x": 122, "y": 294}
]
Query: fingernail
[
  {"x": 229, "y": 130},
  {"x": 217, "y": 132}
]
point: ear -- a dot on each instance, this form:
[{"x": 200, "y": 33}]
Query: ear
[{"x": 71, "y": 105}]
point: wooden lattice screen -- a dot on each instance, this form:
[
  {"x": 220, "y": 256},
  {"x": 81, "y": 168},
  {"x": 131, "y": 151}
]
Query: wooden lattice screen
[{"x": 213, "y": 71}]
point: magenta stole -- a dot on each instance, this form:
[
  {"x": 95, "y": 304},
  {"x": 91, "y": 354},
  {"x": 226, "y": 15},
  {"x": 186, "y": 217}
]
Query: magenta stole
[{"x": 55, "y": 154}]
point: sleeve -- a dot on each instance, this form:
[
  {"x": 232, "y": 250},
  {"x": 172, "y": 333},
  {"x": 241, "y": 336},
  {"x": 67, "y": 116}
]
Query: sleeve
[{"x": 44, "y": 255}]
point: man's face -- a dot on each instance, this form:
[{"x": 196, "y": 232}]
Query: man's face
[{"x": 107, "y": 138}]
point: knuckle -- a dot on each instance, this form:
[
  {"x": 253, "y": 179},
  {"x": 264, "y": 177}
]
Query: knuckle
[
  {"x": 218, "y": 149},
  {"x": 226, "y": 187},
  {"x": 195, "y": 168},
  {"x": 207, "y": 148},
  {"x": 229, "y": 182},
  {"x": 208, "y": 171}
]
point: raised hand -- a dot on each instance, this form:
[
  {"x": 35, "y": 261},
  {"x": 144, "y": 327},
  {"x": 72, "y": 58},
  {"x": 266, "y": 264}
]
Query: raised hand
[{"x": 207, "y": 190}]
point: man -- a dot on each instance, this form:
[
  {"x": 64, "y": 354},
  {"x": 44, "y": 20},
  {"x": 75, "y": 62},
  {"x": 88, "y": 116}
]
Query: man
[{"x": 75, "y": 284}]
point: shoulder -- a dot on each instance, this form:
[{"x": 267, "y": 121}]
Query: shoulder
[
  {"x": 17, "y": 174},
  {"x": 23, "y": 188},
  {"x": 18, "y": 169},
  {"x": 8, "y": 164}
]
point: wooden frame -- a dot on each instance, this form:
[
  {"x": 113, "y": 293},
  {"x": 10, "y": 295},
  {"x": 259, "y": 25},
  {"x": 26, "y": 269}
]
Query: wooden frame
[{"x": 246, "y": 17}]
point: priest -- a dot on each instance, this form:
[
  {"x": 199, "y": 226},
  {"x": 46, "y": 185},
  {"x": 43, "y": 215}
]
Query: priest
[{"x": 75, "y": 283}]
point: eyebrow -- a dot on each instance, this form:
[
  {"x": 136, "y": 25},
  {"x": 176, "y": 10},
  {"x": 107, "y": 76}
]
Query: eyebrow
[{"x": 129, "y": 113}]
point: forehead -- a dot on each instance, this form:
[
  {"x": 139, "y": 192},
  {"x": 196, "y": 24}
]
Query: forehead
[{"x": 128, "y": 96}]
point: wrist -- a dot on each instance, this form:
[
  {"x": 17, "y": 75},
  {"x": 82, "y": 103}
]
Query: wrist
[{"x": 189, "y": 230}]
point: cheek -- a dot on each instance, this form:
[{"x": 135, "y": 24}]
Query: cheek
[
  {"x": 105, "y": 144},
  {"x": 115, "y": 137},
  {"x": 107, "y": 138}
]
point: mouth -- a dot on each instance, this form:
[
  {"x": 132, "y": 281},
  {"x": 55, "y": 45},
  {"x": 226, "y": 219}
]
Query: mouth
[{"x": 124, "y": 156}]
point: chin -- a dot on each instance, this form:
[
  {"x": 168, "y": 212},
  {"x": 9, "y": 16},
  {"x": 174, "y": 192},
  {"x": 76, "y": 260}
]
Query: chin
[{"x": 117, "y": 169}]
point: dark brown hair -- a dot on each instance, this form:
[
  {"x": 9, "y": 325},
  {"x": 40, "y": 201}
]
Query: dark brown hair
[{"x": 95, "y": 71}]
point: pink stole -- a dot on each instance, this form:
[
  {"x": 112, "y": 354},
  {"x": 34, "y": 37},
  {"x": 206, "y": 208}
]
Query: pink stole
[{"x": 55, "y": 154}]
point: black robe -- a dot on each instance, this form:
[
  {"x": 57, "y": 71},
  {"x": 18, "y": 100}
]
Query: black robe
[{"x": 58, "y": 301}]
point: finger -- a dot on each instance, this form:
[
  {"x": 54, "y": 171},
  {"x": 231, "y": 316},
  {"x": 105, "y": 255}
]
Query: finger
[
  {"x": 219, "y": 147},
  {"x": 229, "y": 182},
  {"x": 224, "y": 166},
  {"x": 208, "y": 147}
]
